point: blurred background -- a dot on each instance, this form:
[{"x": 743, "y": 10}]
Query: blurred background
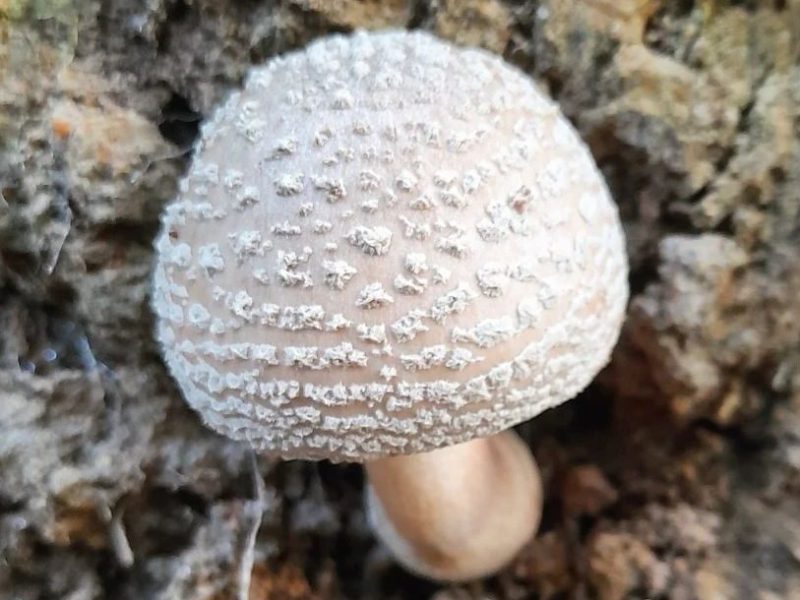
[{"x": 676, "y": 475}]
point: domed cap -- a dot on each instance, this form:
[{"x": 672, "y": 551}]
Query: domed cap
[{"x": 386, "y": 244}]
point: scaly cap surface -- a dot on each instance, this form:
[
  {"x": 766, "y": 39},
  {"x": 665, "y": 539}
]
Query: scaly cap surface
[{"x": 386, "y": 244}]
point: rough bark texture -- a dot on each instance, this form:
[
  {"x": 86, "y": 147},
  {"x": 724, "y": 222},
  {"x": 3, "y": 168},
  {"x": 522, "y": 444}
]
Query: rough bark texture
[{"x": 676, "y": 475}]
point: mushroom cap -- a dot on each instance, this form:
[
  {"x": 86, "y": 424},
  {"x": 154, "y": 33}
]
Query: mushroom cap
[{"x": 386, "y": 244}]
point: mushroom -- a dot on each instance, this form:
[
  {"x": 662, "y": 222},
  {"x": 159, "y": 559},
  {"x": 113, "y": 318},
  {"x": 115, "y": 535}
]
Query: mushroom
[{"x": 390, "y": 250}]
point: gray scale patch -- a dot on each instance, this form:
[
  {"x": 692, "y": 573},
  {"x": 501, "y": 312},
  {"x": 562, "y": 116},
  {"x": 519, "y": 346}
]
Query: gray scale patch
[
  {"x": 373, "y": 296},
  {"x": 373, "y": 241}
]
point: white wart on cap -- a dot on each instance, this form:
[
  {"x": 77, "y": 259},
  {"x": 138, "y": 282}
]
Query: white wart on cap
[{"x": 385, "y": 245}]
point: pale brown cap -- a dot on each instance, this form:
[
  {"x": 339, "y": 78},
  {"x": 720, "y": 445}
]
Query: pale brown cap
[{"x": 386, "y": 244}]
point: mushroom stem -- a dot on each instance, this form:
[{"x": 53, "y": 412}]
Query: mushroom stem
[{"x": 460, "y": 512}]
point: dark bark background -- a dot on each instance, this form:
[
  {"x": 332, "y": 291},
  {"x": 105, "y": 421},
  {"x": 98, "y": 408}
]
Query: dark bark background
[{"x": 676, "y": 475}]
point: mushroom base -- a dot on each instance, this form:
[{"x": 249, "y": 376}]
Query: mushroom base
[{"x": 456, "y": 513}]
